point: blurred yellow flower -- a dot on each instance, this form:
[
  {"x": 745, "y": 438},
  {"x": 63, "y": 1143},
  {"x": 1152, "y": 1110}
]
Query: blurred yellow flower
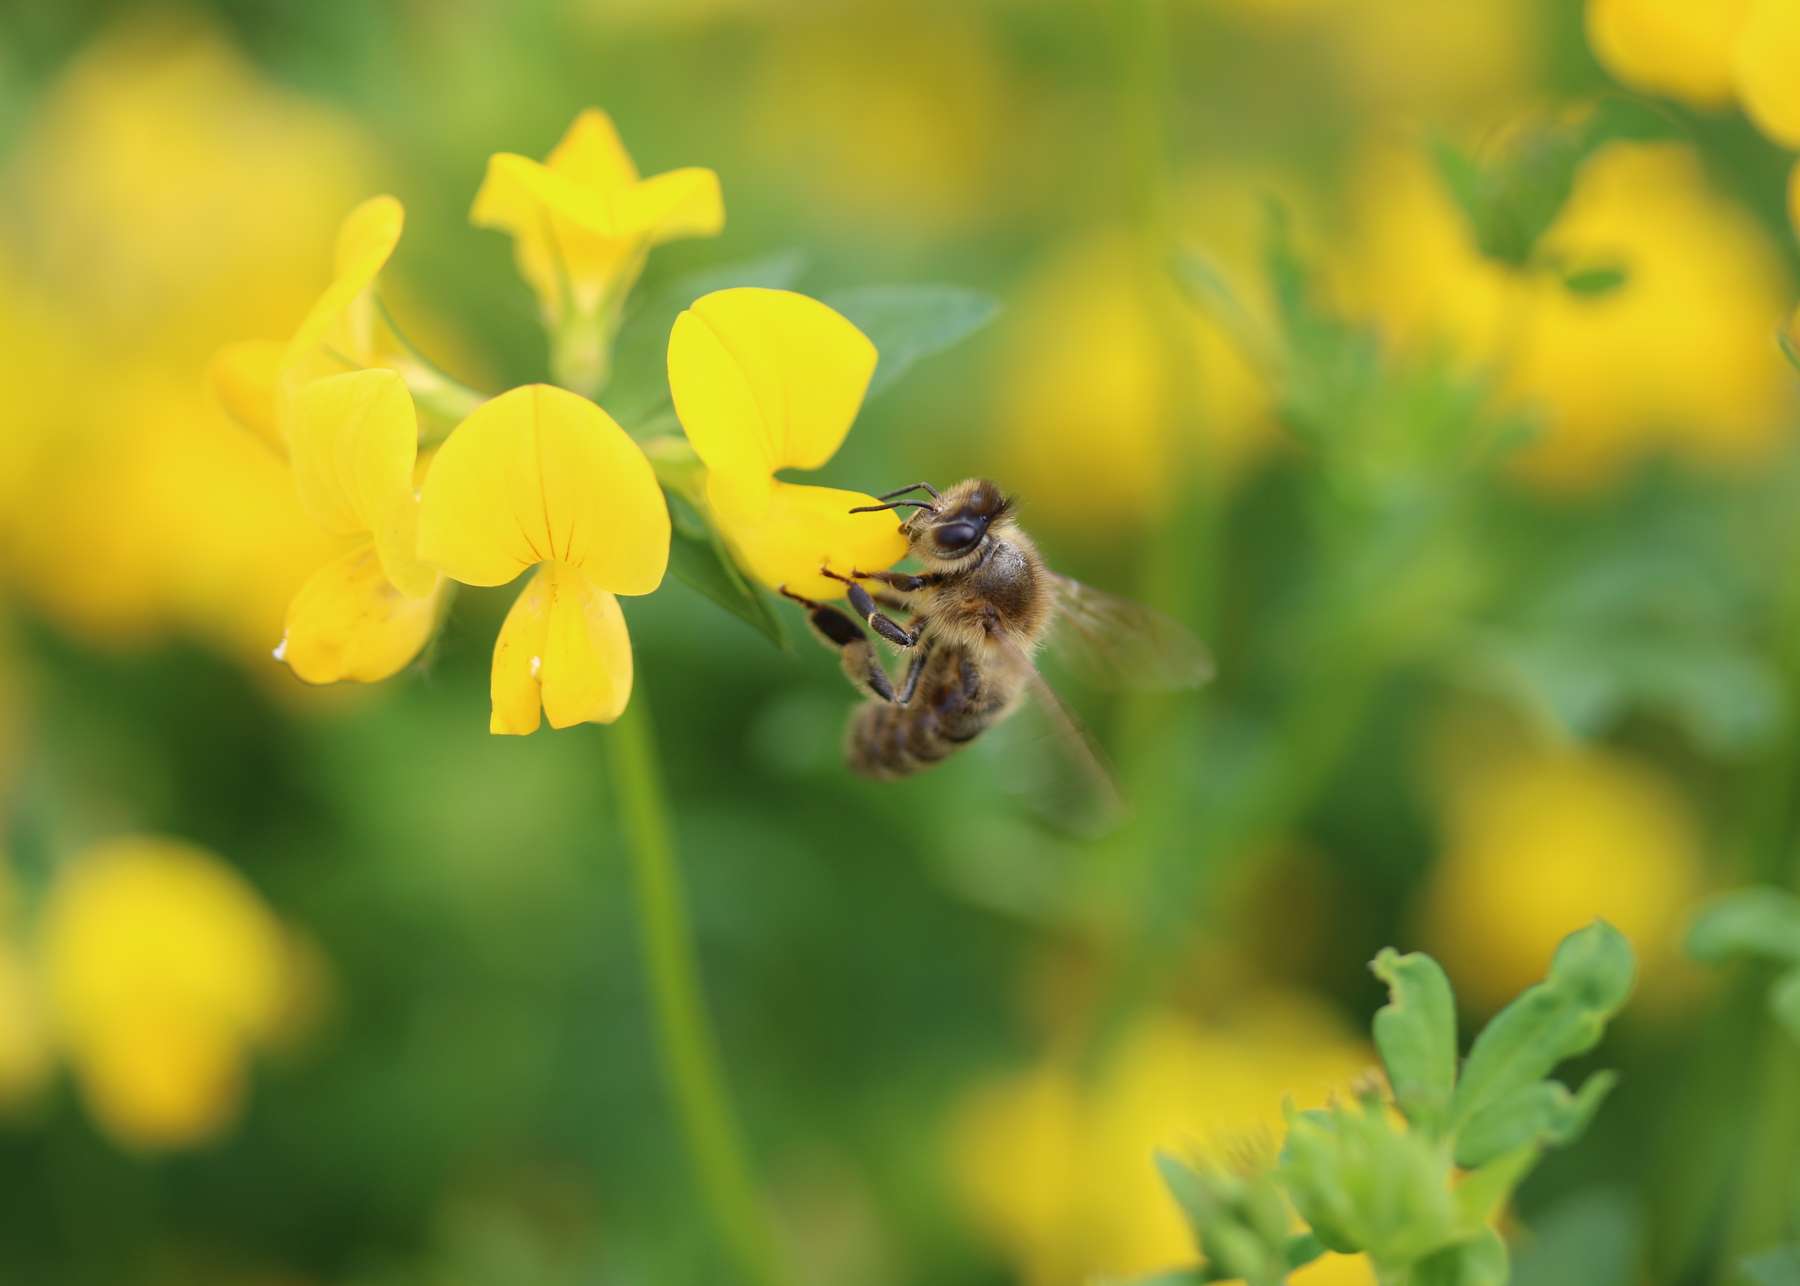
[
  {"x": 162, "y": 196},
  {"x": 582, "y": 224},
  {"x": 902, "y": 117},
  {"x": 542, "y": 477},
  {"x": 1061, "y": 1174},
  {"x": 164, "y": 970},
  {"x": 765, "y": 380},
  {"x": 258, "y": 381},
  {"x": 1538, "y": 842},
  {"x": 1682, "y": 48},
  {"x": 1103, "y": 414},
  {"x": 1767, "y": 69},
  {"x": 1469, "y": 57},
  {"x": 25, "y": 1057},
  {"x": 353, "y": 442},
  {"x": 1677, "y": 358}
]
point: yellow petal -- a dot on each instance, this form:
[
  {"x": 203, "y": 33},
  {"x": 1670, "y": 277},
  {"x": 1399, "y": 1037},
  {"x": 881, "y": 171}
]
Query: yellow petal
[
  {"x": 1767, "y": 69},
  {"x": 796, "y": 530},
  {"x": 1674, "y": 47},
  {"x": 766, "y": 379},
  {"x": 583, "y": 221},
  {"x": 518, "y": 193},
  {"x": 681, "y": 203},
  {"x": 339, "y": 331},
  {"x": 540, "y": 474},
  {"x": 563, "y": 647},
  {"x": 353, "y": 444},
  {"x": 350, "y": 622},
  {"x": 162, "y": 1079},
  {"x": 243, "y": 380},
  {"x": 591, "y": 153},
  {"x": 562, "y": 233}
]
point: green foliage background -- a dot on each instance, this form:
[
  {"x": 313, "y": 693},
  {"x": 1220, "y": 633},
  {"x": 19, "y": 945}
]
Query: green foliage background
[{"x": 484, "y": 1104}]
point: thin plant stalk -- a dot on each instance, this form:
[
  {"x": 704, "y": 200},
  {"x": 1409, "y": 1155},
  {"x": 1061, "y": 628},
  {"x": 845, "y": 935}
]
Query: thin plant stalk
[{"x": 685, "y": 1043}]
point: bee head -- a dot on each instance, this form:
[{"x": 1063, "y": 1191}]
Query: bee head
[
  {"x": 960, "y": 522},
  {"x": 953, "y": 524}
]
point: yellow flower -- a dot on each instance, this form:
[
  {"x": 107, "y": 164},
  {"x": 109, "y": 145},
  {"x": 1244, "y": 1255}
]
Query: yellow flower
[
  {"x": 24, "y": 1044},
  {"x": 765, "y": 380},
  {"x": 163, "y": 969},
  {"x": 1538, "y": 843},
  {"x": 161, "y": 194},
  {"x": 582, "y": 224},
  {"x": 1093, "y": 401},
  {"x": 1675, "y": 47},
  {"x": 1061, "y": 1173},
  {"x": 1676, "y": 358},
  {"x": 353, "y": 442},
  {"x": 542, "y": 477},
  {"x": 900, "y": 118},
  {"x": 257, "y": 381},
  {"x": 1767, "y": 69}
]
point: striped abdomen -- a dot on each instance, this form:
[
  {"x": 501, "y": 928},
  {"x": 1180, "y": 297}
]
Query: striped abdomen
[{"x": 955, "y": 702}]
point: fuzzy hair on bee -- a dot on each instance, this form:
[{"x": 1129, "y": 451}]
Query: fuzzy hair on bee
[{"x": 971, "y": 621}]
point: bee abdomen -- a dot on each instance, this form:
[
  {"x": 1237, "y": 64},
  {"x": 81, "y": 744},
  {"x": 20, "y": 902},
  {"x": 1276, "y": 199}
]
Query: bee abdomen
[{"x": 950, "y": 710}]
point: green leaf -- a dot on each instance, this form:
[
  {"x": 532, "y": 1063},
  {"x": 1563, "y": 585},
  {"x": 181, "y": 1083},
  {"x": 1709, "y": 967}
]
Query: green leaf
[
  {"x": 699, "y": 559},
  {"x": 1784, "y": 1002},
  {"x": 1542, "y": 1114},
  {"x": 1778, "y": 1267},
  {"x": 1761, "y": 921},
  {"x": 1596, "y": 281},
  {"x": 1480, "y": 1262},
  {"x": 639, "y": 391},
  {"x": 1590, "y": 977},
  {"x": 1416, "y": 1034},
  {"x": 909, "y": 323}
]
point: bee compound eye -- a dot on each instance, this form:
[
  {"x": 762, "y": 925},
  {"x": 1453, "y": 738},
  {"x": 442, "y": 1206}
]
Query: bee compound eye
[{"x": 957, "y": 535}]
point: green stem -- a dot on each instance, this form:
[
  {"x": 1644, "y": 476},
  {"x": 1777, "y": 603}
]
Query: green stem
[{"x": 689, "y": 1054}]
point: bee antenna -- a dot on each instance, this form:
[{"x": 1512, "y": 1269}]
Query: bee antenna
[{"x": 894, "y": 504}]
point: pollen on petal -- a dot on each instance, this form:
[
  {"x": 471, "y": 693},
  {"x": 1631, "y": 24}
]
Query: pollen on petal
[{"x": 280, "y": 652}]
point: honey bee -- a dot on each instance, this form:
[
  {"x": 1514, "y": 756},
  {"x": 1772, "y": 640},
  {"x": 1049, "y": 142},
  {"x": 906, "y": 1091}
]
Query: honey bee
[{"x": 975, "y": 618}]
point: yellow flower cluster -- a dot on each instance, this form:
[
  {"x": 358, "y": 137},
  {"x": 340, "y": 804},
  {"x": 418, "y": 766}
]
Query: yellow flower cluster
[
  {"x": 1710, "y": 54},
  {"x": 159, "y": 196},
  {"x": 156, "y": 972},
  {"x": 1677, "y": 358},
  {"x": 1102, "y": 373},
  {"x": 1538, "y": 842},
  {"x": 1060, "y": 1173},
  {"x": 540, "y": 476}
]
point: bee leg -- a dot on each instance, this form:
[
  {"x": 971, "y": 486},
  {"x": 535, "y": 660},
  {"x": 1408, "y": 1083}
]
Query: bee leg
[
  {"x": 880, "y": 622},
  {"x": 910, "y": 684},
  {"x": 836, "y": 630},
  {"x": 917, "y": 486},
  {"x": 905, "y": 582}
]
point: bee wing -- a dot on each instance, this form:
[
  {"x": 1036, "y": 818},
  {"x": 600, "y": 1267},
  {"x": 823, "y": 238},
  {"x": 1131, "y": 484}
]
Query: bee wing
[
  {"x": 1070, "y": 732},
  {"x": 1113, "y": 642}
]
